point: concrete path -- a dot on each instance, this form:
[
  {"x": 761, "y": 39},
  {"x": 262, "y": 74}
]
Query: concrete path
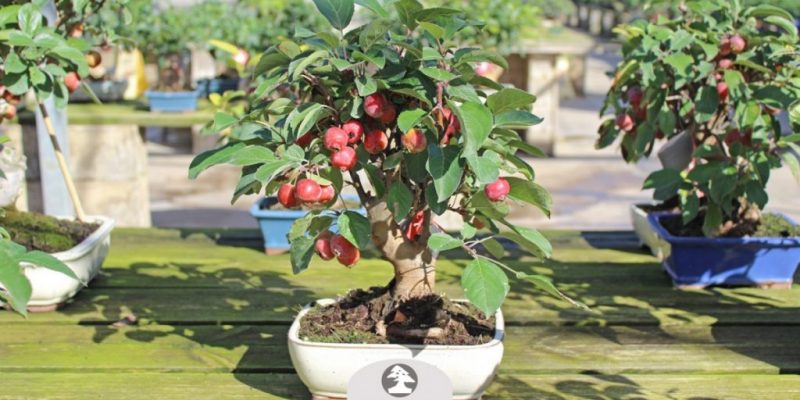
[{"x": 591, "y": 189}]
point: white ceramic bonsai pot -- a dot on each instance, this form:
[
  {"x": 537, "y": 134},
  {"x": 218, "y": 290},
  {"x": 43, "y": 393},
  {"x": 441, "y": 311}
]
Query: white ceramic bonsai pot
[
  {"x": 52, "y": 288},
  {"x": 326, "y": 368},
  {"x": 644, "y": 230}
]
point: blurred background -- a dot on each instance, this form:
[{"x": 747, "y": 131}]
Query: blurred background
[{"x": 559, "y": 50}]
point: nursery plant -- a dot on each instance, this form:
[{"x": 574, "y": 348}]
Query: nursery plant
[
  {"x": 396, "y": 113},
  {"x": 164, "y": 37},
  {"x": 50, "y": 61},
  {"x": 722, "y": 74}
]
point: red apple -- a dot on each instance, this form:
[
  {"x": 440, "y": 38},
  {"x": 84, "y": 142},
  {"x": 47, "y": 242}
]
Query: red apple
[
  {"x": 73, "y": 81},
  {"x": 415, "y": 141},
  {"x": 328, "y": 193},
  {"x": 335, "y": 139},
  {"x": 625, "y": 122},
  {"x": 445, "y": 118},
  {"x": 416, "y": 225},
  {"x": 354, "y": 129},
  {"x": 11, "y": 98},
  {"x": 308, "y": 191},
  {"x": 241, "y": 57},
  {"x": 484, "y": 68},
  {"x": 722, "y": 90},
  {"x": 635, "y": 96},
  {"x": 497, "y": 190},
  {"x": 374, "y": 105},
  {"x": 286, "y": 196},
  {"x": 344, "y": 159},
  {"x": 77, "y": 31},
  {"x": 389, "y": 114},
  {"x": 725, "y": 63},
  {"x": 93, "y": 58},
  {"x": 323, "y": 246},
  {"x": 738, "y": 44},
  {"x": 376, "y": 142},
  {"x": 305, "y": 140},
  {"x": 11, "y": 112},
  {"x": 345, "y": 252},
  {"x": 725, "y": 45},
  {"x": 641, "y": 113}
]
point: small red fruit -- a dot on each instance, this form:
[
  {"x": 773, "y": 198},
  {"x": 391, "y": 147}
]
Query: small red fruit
[
  {"x": 344, "y": 159},
  {"x": 77, "y": 31},
  {"x": 497, "y": 190},
  {"x": 305, "y": 140},
  {"x": 641, "y": 113},
  {"x": 722, "y": 90},
  {"x": 725, "y": 63},
  {"x": 625, "y": 122},
  {"x": 738, "y": 44},
  {"x": 389, "y": 114},
  {"x": 725, "y": 45},
  {"x": 345, "y": 252},
  {"x": 93, "y": 58},
  {"x": 241, "y": 57},
  {"x": 328, "y": 193},
  {"x": 11, "y": 98},
  {"x": 335, "y": 139},
  {"x": 308, "y": 191},
  {"x": 415, "y": 227},
  {"x": 11, "y": 112},
  {"x": 376, "y": 142},
  {"x": 415, "y": 141},
  {"x": 374, "y": 105},
  {"x": 323, "y": 246},
  {"x": 354, "y": 129},
  {"x": 286, "y": 196},
  {"x": 635, "y": 96},
  {"x": 73, "y": 81},
  {"x": 449, "y": 122}
]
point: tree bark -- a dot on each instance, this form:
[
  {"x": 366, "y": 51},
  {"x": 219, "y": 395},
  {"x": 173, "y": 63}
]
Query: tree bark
[{"x": 414, "y": 265}]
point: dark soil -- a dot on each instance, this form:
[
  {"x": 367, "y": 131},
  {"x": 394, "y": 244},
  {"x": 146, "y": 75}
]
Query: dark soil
[
  {"x": 41, "y": 232},
  {"x": 669, "y": 205},
  {"x": 359, "y": 316},
  {"x": 770, "y": 225}
]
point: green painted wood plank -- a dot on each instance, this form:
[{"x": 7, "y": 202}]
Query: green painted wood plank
[
  {"x": 129, "y": 113},
  {"x": 193, "y": 386},
  {"x": 538, "y": 350}
]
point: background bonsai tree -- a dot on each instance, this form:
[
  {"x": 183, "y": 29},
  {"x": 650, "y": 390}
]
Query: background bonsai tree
[
  {"x": 403, "y": 119},
  {"x": 50, "y": 61},
  {"x": 164, "y": 37},
  {"x": 723, "y": 74}
]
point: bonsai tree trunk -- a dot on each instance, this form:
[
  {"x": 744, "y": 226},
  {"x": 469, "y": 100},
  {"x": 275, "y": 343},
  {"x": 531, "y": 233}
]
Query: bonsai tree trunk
[{"x": 414, "y": 265}]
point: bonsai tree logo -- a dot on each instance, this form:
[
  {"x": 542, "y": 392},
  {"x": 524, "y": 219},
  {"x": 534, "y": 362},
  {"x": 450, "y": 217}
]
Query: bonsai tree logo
[{"x": 399, "y": 380}]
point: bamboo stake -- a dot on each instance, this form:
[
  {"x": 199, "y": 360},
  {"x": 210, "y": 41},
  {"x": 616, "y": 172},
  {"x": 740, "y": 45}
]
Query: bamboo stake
[{"x": 62, "y": 164}]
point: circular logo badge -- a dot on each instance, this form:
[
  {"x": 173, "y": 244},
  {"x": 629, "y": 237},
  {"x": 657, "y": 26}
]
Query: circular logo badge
[{"x": 399, "y": 380}]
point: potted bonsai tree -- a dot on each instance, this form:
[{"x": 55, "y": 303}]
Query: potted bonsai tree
[
  {"x": 49, "y": 61},
  {"x": 395, "y": 111},
  {"x": 713, "y": 81},
  {"x": 163, "y": 37}
]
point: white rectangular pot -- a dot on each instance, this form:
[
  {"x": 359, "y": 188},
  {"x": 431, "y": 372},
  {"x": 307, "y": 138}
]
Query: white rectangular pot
[
  {"x": 326, "y": 368},
  {"x": 647, "y": 235},
  {"x": 51, "y": 288}
]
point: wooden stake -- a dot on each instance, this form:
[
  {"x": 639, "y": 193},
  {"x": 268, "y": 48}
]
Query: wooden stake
[{"x": 62, "y": 164}]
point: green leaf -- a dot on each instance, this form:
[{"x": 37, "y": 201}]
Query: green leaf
[
  {"x": 529, "y": 239},
  {"x": 509, "y": 99},
  {"x": 706, "y": 104},
  {"x": 14, "y": 64},
  {"x": 366, "y": 86},
  {"x": 252, "y": 155},
  {"x": 546, "y": 284},
  {"x": 494, "y": 247},
  {"x": 16, "y": 284},
  {"x": 406, "y": 10},
  {"x": 338, "y": 12},
  {"x": 681, "y": 63},
  {"x": 713, "y": 220},
  {"x": 439, "y": 74},
  {"x": 372, "y": 33},
  {"x": 300, "y": 252},
  {"x": 486, "y": 169},
  {"x": 463, "y": 93},
  {"x": 399, "y": 201},
  {"x": 516, "y": 119},
  {"x": 355, "y": 228},
  {"x": 485, "y": 285},
  {"x": 297, "y": 67},
  {"x": 44, "y": 260},
  {"x": 531, "y": 193},
  {"x": 482, "y": 204},
  {"x": 213, "y": 157},
  {"x": 476, "y": 124},
  {"x": 783, "y": 23},
  {"x": 446, "y": 168},
  {"x": 410, "y": 118},
  {"x": 443, "y": 242},
  {"x": 766, "y": 10},
  {"x": 666, "y": 183},
  {"x": 29, "y": 19},
  {"x": 223, "y": 120},
  {"x": 374, "y": 6}
]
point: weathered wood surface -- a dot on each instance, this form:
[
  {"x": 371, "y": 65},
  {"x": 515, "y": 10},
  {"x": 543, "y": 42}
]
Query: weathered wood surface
[
  {"x": 212, "y": 314},
  {"x": 129, "y": 113}
]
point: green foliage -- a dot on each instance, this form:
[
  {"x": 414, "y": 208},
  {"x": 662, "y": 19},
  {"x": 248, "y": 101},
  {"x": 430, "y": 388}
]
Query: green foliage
[
  {"x": 696, "y": 76},
  {"x": 305, "y": 85}
]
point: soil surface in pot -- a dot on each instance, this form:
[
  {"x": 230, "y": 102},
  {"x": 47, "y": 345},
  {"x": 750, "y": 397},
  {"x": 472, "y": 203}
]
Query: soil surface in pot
[
  {"x": 770, "y": 225},
  {"x": 358, "y": 317},
  {"x": 44, "y": 233},
  {"x": 669, "y": 205}
]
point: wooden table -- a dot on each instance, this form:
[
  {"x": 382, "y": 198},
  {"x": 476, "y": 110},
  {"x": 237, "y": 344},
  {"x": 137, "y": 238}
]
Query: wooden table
[{"x": 212, "y": 315}]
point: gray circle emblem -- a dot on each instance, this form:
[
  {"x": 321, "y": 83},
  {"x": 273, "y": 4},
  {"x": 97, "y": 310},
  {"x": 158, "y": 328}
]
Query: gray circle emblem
[{"x": 399, "y": 380}]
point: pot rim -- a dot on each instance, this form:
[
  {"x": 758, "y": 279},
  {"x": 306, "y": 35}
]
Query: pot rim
[
  {"x": 294, "y": 337},
  {"x": 84, "y": 247},
  {"x": 656, "y": 217}
]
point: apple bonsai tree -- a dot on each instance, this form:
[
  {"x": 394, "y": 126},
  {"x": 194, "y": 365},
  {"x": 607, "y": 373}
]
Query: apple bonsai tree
[
  {"x": 48, "y": 60},
  {"x": 722, "y": 74},
  {"x": 395, "y": 111}
]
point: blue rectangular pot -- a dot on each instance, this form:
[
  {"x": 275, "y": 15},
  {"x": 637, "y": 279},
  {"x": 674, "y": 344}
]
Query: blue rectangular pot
[
  {"x": 217, "y": 85},
  {"x": 275, "y": 224},
  {"x": 172, "y": 101},
  {"x": 751, "y": 261}
]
